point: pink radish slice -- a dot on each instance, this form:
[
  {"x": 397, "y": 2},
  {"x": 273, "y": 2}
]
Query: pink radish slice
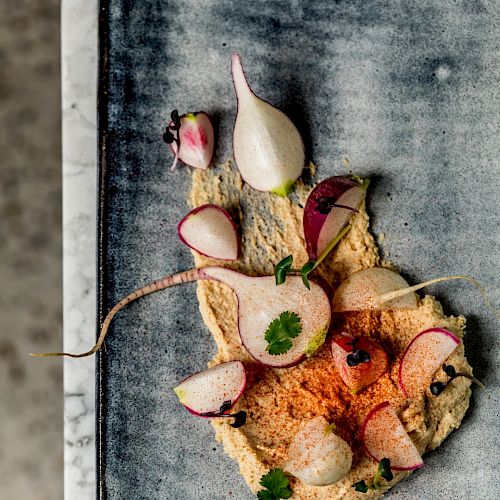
[
  {"x": 319, "y": 228},
  {"x": 423, "y": 356},
  {"x": 210, "y": 231},
  {"x": 207, "y": 391},
  {"x": 260, "y": 302},
  {"x": 197, "y": 140},
  {"x": 384, "y": 436}
]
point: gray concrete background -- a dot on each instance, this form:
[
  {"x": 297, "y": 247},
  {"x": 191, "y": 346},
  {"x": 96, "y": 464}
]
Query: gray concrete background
[{"x": 31, "y": 421}]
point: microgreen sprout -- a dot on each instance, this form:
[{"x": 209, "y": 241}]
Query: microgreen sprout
[
  {"x": 169, "y": 137},
  {"x": 437, "y": 388},
  {"x": 383, "y": 472}
]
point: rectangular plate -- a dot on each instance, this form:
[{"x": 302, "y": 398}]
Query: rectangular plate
[{"x": 405, "y": 93}]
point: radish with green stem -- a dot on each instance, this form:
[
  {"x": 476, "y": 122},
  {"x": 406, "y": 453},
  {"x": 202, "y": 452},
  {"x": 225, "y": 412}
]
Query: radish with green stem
[
  {"x": 261, "y": 314},
  {"x": 210, "y": 231},
  {"x": 268, "y": 148},
  {"x": 328, "y": 210}
]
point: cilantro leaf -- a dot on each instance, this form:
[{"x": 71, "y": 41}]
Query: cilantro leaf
[
  {"x": 280, "y": 332},
  {"x": 361, "y": 486},
  {"x": 281, "y": 269},
  {"x": 277, "y": 486}
]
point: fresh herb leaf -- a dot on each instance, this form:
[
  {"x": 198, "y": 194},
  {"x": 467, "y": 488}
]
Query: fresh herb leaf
[
  {"x": 280, "y": 332},
  {"x": 226, "y": 406},
  {"x": 384, "y": 469},
  {"x": 281, "y": 269},
  {"x": 304, "y": 272},
  {"x": 277, "y": 486},
  {"x": 360, "y": 486}
]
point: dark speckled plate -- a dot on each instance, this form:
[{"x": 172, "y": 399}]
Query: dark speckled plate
[{"x": 406, "y": 92}]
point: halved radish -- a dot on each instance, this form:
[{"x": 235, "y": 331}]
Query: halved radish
[
  {"x": 361, "y": 290},
  {"x": 384, "y": 436},
  {"x": 358, "y": 373},
  {"x": 210, "y": 231},
  {"x": 208, "y": 391},
  {"x": 196, "y": 136},
  {"x": 328, "y": 209},
  {"x": 423, "y": 356},
  {"x": 317, "y": 456}
]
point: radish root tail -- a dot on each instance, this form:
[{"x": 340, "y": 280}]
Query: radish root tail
[
  {"x": 400, "y": 293},
  {"x": 156, "y": 286}
]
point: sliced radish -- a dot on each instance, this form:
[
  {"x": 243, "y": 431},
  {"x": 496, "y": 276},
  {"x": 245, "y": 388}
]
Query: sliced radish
[
  {"x": 362, "y": 290},
  {"x": 196, "y": 136},
  {"x": 208, "y": 391},
  {"x": 425, "y": 354},
  {"x": 317, "y": 456},
  {"x": 328, "y": 209},
  {"x": 384, "y": 436},
  {"x": 210, "y": 231},
  {"x": 357, "y": 376},
  {"x": 260, "y": 302}
]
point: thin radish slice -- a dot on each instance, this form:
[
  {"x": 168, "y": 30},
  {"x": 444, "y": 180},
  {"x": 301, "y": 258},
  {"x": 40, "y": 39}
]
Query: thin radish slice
[
  {"x": 207, "y": 391},
  {"x": 196, "y": 137},
  {"x": 317, "y": 456},
  {"x": 384, "y": 436},
  {"x": 361, "y": 290},
  {"x": 260, "y": 302},
  {"x": 210, "y": 231},
  {"x": 328, "y": 209},
  {"x": 425, "y": 354}
]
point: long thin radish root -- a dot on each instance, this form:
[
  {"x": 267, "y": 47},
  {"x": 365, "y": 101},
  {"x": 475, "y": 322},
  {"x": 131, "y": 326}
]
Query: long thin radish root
[
  {"x": 156, "y": 286},
  {"x": 386, "y": 297}
]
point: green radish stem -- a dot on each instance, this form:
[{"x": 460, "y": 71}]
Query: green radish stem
[
  {"x": 156, "y": 286},
  {"x": 385, "y": 297}
]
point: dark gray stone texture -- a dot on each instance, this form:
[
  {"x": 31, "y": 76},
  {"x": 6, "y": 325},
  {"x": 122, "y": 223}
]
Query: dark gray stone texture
[{"x": 406, "y": 92}]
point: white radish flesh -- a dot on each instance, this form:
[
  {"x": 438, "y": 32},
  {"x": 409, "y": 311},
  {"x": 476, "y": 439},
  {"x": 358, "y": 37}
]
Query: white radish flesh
[
  {"x": 384, "y": 436},
  {"x": 424, "y": 355},
  {"x": 363, "y": 289},
  {"x": 317, "y": 456},
  {"x": 210, "y": 231},
  {"x": 207, "y": 391},
  {"x": 268, "y": 148},
  {"x": 196, "y": 137}
]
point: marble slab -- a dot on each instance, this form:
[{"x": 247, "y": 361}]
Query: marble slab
[{"x": 79, "y": 78}]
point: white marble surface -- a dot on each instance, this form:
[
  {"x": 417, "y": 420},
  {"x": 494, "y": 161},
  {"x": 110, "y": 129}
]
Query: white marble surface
[{"x": 79, "y": 78}]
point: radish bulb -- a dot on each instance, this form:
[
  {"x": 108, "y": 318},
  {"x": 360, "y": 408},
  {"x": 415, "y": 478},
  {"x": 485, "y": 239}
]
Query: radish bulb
[
  {"x": 206, "y": 392},
  {"x": 268, "y": 148},
  {"x": 328, "y": 209},
  {"x": 261, "y": 304},
  {"x": 191, "y": 138},
  {"x": 210, "y": 231},
  {"x": 363, "y": 289},
  {"x": 317, "y": 456}
]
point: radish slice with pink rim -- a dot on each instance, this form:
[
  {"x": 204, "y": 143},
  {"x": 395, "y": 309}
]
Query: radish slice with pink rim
[
  {"x": 207, "y": 391},
  {"x": 210, "y": 231},
  {"x": 384, "y": 436},
  {"x": 328, "y": 209},
  {"x": 424, "y": 355},
  {"x": 196, "y": 137}
]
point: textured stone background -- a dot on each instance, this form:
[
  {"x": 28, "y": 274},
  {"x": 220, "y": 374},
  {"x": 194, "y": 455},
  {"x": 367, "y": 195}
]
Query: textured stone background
[{"x": 31, "y": 452}]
